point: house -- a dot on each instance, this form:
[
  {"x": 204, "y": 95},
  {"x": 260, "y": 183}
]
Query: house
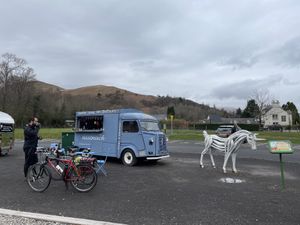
[
  {"x": 277, "y": 116},
  {"x": 216, "y": 119},
  {"x": 240, "y": 120}
]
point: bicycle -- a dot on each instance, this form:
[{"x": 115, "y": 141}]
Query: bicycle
[
  {"x": 81, "y": 175},
  {"x": 86, "y": 153}
]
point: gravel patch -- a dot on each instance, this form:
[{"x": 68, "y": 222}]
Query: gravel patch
[{"x": 13, "y": 220}]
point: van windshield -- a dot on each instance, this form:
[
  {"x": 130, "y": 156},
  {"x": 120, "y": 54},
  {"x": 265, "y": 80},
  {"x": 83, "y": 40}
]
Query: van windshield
[{"x": 149, "y": 126}]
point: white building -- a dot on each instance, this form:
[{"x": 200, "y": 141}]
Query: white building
[{"x": 277, "y": 116}]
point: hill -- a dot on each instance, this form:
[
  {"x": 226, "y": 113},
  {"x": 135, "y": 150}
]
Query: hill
[
  {"x": 58, "y": 103},
  {"x": 45, "y": 87}
]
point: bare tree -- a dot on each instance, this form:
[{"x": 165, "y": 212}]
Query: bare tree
[
  {"x": 15, "y": 77},
  {"x": 22, "y": 94},
  {"x": 262, "y": 99}
]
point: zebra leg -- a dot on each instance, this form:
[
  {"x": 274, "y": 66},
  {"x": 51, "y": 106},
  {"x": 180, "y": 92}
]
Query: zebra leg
[
  {"x": 212, "y": 159},
  {"x": 201, "y": 158},
  {"x": 226, "y": 157},
  {"x": 202, "y": 154},
  {"x": 233, "y": 157}
]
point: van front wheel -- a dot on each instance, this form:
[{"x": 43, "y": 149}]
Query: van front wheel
[{"x": 129, "y": 158}]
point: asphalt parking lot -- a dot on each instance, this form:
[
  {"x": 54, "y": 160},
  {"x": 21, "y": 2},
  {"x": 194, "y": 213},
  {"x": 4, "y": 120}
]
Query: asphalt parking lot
[{"x": 173, "y": 191}]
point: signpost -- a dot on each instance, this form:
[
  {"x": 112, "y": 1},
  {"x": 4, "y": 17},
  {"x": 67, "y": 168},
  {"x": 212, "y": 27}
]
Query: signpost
[
  {"x": 281, "y": 147},
  {"x": 171, "y": 117},
  {"x": 165, "y": 128}
]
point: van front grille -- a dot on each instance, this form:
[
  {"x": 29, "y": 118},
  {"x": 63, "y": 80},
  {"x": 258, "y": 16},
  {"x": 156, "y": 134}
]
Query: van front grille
[{"x": 162, "y": 144}]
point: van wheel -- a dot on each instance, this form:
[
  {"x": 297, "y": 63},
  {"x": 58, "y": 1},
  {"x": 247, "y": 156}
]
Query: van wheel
[{"x": 128, "y": 158}]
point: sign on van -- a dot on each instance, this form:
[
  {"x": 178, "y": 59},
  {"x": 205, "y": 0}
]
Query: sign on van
[
  {"x": 280, "y": 147},
  {"x": 6, "y": 128}
]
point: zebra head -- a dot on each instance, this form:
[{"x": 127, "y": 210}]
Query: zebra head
[{"x": 251, "y": 139}]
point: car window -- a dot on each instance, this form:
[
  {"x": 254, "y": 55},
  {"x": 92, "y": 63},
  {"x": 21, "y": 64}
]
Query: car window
[{"x": 225, "y": 129}]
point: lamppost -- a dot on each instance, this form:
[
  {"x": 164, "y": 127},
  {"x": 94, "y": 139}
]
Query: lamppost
[{"x": 171, "y": 117}]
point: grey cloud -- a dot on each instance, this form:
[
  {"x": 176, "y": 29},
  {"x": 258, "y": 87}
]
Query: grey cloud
[
  {"x": 245, "y": 88},
  {"x": 289, "y": 53},
  {"x": 293, "y": 82},
  {"x": 239, "y": 62},
  {"x": 175, "y": 47}
]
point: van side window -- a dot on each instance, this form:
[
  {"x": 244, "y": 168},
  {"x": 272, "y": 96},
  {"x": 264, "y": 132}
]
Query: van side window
[
  {"x": 90, "y": 122},
  {"x": 130, "y": 126}
]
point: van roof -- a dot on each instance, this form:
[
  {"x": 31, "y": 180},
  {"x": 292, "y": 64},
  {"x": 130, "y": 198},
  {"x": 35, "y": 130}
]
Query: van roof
[
  {"x": 124, "y": 114},
  {"x": 136, "y": 116},
  {"x": 108, "y": 111},
  {"x": 5, "y": 118}
]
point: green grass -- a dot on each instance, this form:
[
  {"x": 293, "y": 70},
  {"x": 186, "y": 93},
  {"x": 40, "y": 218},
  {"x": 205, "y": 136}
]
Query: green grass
[
  {"x": 294, "y": 137},
  {"x": 55, "y": 133},
  {"x": 185, "y": 135},
  {"x": 45, "y": 133}
]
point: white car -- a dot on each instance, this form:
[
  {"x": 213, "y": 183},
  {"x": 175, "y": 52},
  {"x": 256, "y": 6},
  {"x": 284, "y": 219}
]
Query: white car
[{"x": 225, "y": 130}]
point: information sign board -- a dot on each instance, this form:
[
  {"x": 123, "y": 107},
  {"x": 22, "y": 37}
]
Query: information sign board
[{"x": 278, "y": 147}]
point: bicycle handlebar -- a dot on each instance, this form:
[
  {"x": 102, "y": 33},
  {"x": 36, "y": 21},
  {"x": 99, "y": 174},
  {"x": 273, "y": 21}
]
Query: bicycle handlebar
[
  {"x": 41, "y": 149},
  {"x": 85, "y": 153}
]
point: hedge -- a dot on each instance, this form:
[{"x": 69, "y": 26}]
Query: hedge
[{"x": 250, "y": 127}]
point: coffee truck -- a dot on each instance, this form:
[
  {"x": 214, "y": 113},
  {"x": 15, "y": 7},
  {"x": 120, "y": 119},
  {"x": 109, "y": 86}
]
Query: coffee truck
[
  {"x": 6, "y": 133},
  {"x": 127, "y": 134}
]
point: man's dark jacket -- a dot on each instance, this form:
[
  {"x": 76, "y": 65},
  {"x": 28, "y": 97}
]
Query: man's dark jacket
[{"x": 31, "y": 136}]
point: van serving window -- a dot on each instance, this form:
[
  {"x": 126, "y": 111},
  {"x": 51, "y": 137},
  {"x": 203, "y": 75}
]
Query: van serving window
[
  {"x": 90, "y": 122},
  {"x": 130, "y": 126}
]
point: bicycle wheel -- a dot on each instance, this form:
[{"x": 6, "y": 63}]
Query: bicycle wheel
[
  {"x": 87, "y": 179},
  {"x": 38, "y": 177}
]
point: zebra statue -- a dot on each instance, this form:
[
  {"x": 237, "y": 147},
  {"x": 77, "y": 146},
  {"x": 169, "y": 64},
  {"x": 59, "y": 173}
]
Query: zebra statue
[{"x": 229, "y": 146}]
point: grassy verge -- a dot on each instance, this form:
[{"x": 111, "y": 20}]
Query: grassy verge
[
  {"x": 294, "y": 137},
  {"x": 46, "y": 133},
  {"x": 55, "y": 133}
]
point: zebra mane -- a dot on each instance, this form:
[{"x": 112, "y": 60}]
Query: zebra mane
[{"x": 240, "y": 133}]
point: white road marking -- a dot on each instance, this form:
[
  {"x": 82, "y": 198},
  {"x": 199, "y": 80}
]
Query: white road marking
[
  {"x": 60, "y": 219},
  {"x": 229, "y": 180}
]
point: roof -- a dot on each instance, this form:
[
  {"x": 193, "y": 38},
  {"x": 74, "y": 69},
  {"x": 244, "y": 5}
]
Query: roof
[
  {"x": 124, "y": 114},
  {"x": 215, "y": 118},
  {"x": 101, "y": 112},
  {"x": 5, "y": 118},
  {"x": 136, "y": 116}
]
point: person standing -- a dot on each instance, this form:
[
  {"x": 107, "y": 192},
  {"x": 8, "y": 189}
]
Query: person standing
[{"x": 31, "y": 138}]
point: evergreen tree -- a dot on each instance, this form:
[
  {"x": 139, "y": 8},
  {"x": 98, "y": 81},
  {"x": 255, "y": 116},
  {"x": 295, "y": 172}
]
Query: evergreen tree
[
  {"x": 251, "y": 110},
  {"x": 238, "y": 112},
  {"x": 295, "y": 115},
  {"x": 171, "y": 111}
]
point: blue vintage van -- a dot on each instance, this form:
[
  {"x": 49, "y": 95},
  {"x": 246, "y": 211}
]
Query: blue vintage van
[
  {"x": 128, "y": 134},
  {"x": 6, "y": 133}
]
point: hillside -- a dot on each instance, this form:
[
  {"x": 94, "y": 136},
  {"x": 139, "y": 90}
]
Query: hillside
[
  {"x": 65, "y": 102},
  {"x": 45, "y": 87}
]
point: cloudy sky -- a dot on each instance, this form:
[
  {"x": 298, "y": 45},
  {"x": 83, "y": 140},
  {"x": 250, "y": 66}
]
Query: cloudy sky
[{"x": 210, "y": 51}]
